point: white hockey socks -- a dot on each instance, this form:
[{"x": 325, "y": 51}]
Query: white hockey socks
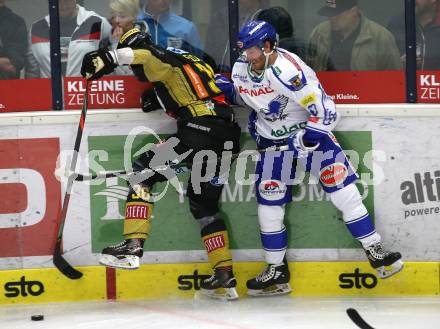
[
  {"x": 273, "y": 233},
  {"x": 355, "y": 215}
]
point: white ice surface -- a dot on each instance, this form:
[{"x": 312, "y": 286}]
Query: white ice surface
[{"x": 246, "y": 313}]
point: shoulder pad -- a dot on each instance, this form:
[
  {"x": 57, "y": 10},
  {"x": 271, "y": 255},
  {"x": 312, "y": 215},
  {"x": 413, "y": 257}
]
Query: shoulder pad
[
  {"x": 289, "y": 72},
  {"x": 289, "y": 61}
]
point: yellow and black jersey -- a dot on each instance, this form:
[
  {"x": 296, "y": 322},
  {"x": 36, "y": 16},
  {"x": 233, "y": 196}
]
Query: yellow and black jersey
[{"x": 183, "y": 82}]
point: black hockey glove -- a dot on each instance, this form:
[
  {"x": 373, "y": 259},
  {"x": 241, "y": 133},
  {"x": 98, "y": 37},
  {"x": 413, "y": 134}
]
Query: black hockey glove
[
  {"x": 97, "y": 63},
  {"x": 149, "y": 101}
]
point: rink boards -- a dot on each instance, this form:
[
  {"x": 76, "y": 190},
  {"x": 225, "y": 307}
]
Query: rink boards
[
  {"x": 324, "y": 279},
  {"x": 398, "y": 161}
]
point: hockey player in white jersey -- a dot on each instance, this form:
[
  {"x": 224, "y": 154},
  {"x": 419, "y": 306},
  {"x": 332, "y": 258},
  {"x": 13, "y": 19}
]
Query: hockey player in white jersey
[{"x": 291, "y": 108}]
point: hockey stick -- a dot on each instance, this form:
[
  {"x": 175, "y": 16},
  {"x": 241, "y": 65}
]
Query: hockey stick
[
  {"x": 357, "y": 319},
  {"x": 58, "y": 260},
  {"x": 182, "y": 166}
]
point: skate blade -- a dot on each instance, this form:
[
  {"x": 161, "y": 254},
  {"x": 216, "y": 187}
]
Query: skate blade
[
  {"x": 387, "y": 271},
  {"x": 224, "y": 294},
  {"x": 274, "y": 290},
  {"x": 127, "y": 263}
]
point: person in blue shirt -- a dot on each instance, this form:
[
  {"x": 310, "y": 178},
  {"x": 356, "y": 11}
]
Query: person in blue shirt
[{"x": 168, "y": 29}]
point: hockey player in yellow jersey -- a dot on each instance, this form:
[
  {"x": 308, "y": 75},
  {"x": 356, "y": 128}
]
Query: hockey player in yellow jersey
[{"x": 184, "y": 86}]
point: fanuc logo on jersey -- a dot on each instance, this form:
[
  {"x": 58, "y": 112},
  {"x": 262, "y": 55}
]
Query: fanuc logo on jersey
[
  {"x": 255, "y": 92},
  {"x": 424, "y": 187},
  {"x": 23, "y": 288},
  {"x": 188, "y": 282},
  {"x": 357, "y": 280}
]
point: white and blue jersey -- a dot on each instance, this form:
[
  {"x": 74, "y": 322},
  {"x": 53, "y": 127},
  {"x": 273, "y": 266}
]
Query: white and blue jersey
[{"x": 290, "y": 97}]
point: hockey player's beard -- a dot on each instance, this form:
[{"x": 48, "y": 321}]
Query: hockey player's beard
[
  {"x": 258, "y": 73},
  {"x": 258, "y": 66},
  {"x": 255, "y": 74}
]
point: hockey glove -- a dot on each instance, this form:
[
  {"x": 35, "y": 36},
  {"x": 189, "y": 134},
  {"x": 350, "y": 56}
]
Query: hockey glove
[
  {"x": 226, "y": 86},
  {"x": 97, "y": 63},
  {"x": 149, "y": 100},
  {"x": 296, "y": 144},
  {"x": 313, "y": 135}
]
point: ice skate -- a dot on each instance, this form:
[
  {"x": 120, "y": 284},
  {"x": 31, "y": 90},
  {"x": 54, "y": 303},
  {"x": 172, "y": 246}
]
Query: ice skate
[
  {"x": 386, "y": 263},
  {"x": 124, "y": 255},
  {"x": 221, "y": 285},
  {"x": 272, "y": 281}
]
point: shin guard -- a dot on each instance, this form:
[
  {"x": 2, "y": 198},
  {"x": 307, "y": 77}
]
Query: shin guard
[
  {"x": 216, "y": 241},
  {"x": 137, "y": 216}
]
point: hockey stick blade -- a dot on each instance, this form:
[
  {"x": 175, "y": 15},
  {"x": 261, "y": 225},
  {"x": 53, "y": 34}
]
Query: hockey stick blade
[
  {"x": 63, "y": 266},
  {"x": 357, "y": 319}
]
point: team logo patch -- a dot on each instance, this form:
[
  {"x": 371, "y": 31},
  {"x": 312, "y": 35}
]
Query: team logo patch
[
  {"x": 333, "y": 174},
  {"x": 276, "y": 107},
  {"x": 210, "y": 105},
  {"x": 297, "y": 82},
  {"x": 272, "y": 190}
]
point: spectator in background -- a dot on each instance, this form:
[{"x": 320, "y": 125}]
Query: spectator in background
[
  {"x": 168, "y": 29},
  {"x": 281, "y": 20},
  {"x": 81, "y": 31},
  {"x": 248, "y": 10},
  {"x": 123, "y": 16},
  {"x": 427, "y": 37},
  {"x": 13, "y": 43},
  {"x": 217, "y": 36},
  {"x": 351, "y": 41}
]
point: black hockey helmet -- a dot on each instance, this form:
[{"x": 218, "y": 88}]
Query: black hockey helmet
[
  {"x": 134, "y": 39},
  {"x": 279, "y": 18}
]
